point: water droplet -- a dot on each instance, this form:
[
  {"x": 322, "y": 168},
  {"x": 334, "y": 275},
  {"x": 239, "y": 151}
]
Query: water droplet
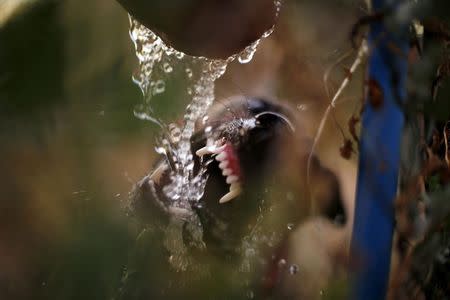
[
  {"x": 159, "y": 87},
  {"x": 302, "y": 107},
  {"x": 293, "y": 269},
  {"x": 189, "y": 72},
  {"x": 268, "y": 32},
  {"x": 247, "y": 54},
  {"x": 198, "y": 205},
  {"x": 160, "y": 150},
  {"x": 167, "y": 68},
  {"x": 281, "y": 263},
  {"x": 175, "y": 133},
  {"x": 278, "y": 4},
  {"x": 290, "y": 226}
]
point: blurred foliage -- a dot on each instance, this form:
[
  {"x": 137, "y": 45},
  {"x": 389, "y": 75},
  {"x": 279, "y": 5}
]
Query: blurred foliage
[
  {"x": 63, "y": 234},
  {"x": 24, "y": 91}
]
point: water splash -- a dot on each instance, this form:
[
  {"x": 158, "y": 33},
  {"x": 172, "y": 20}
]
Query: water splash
[
  {"x": 293, "y": 269},
  {"x": 247, "y": 54},
  {"x": 157, "y": 61},
  {"x": 290, "y": 226}
]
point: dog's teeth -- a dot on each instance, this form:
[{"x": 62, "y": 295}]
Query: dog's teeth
[
  {"x": 226, "y": 172},
  {"x": 232, "y": 179},
  {"x": 222, "y": 156},
  {"x": 235, "y": 186},
  {"x": 230, "y": 195},
  {"x": 206, "y": 150},
  {"x": 219, "y": 149},
  {"x": 213, "y": 149},
  {"x": 203, "y": 151},
  {"x": 157, "y": 173},
  {"x": 223, "y": 165}
]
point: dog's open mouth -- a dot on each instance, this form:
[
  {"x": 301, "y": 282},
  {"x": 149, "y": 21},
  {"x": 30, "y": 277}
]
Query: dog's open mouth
[
  {"x": 235, "y": 145},
  {"x": 225, "y": 154}
]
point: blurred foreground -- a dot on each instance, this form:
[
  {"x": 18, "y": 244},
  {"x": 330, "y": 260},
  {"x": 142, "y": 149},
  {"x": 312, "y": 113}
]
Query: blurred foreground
[{"x": 71, "y": 149}]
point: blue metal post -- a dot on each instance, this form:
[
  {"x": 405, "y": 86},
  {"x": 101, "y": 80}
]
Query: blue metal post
[{"x": 382, "y": 124}]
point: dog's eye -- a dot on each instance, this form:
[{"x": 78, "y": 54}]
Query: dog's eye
[{"x": 270, "y": 119}]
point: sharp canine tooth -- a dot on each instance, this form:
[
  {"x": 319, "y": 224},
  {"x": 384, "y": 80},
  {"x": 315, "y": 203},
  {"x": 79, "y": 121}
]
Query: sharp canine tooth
[
  {"x": 221, "y": 156},
  {"x": 157, "y": 173},
  {"x": 226, "y": 172},
  {"x": 223, "y": 164},
  {"x": 203, "y": 151},
  {"x": 235, "y": 186},
  {"x": 232, "y": 179},
  {"x": 213, "y": 149},
  {"x": 230, "y": 195},
  {"x": 219, "y": 150}
]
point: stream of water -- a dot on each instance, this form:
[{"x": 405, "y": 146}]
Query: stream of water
[{"x": 157, "y": 63}]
